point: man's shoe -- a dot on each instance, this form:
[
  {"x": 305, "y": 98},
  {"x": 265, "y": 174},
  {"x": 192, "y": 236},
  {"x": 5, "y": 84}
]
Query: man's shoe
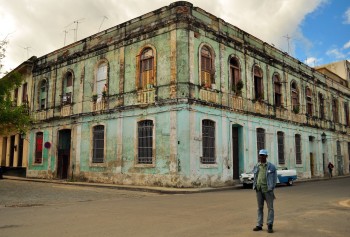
[
  {"x": 257, "y": 228},
  {"x": 269, "y": 229}
]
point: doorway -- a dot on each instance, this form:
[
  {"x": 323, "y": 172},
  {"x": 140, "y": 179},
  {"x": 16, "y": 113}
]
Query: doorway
[
  {"x": 236, "y": 150},
  {"x": 63, "y": 153}
]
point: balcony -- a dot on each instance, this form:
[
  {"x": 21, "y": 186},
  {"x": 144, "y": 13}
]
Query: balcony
[
  {"x": 209, "y": 96},
  {"x": 146, "y": 96},
  {"x": 66, "y": 110},
  {"x": 99, "y": 104},
  {"x": 237, "y": 102}
]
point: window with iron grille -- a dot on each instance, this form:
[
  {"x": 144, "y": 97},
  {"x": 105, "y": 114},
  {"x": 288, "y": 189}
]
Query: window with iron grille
[
  {"x": 234, "y": 73},
  {"x": 346, "y": 112},
  {"x": 295, "y": 97},
  {"x": 258, "y": 83},
  {"x": 280, "y": 144},
  {"x": 98, "y": 144},
  {"x": 321, "y": 103},
  {"x": 298, "y": 149},
  {"x": 146, "y": 68},
  {"x": 260, "y": 139},
  {"x": 39, "y": 148},
  {"x": 206, "y": 67},
  {"x": 278, "y": 90},
  {"x": 208, "y": 139},
  {"x": 335, "y": 110},
  {"x": 145, "y": 142},
  {"x": 309, "y": 101}
]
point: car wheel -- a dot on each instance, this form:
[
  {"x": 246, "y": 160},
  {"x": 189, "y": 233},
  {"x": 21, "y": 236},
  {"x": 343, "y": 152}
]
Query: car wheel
[{"x": 290, "y": 182}]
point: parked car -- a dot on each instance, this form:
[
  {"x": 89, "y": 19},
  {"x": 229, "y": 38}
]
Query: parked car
[{"x": 283, "y": 176}]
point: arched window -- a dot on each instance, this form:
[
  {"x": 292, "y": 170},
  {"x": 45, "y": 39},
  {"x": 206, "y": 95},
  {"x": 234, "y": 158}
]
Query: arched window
[
  {"x": 42, "y": 98},
  {"x": 146, "y": 78},
  {"x": 208, "y": 142},
  {"x": 260, "y": 139},
  {"x": 278, "y": 90},
  {"x": 101, "y": 78},
  {"x": 321, "y": 105},
  {"x": 335, "y": 110},
  {"x": 67, "y": 88},
  {"x": 295, "y": 97},
  {"x": 145, "y": 142},
  {"x": 39, "y": 148},
  {"x": 280, "y": 145},
  {"x": 98, "y": 144},
  {"x": 258, "y": 83},
  {"x": 235, "y": 75},
  {"x": 207, "y": 72},
  {"x": 309, "y": 104}
]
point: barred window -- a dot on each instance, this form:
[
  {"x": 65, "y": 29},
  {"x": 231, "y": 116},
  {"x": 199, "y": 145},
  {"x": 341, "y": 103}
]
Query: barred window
[
  {"x": 98, "y": 144},
  {"x": 39, "y": 148},
  {"x": 208, "y": 139},
  {"x": 278, "y": 90},
  {"x": 260, "y": 139},
  {"x": 298, "y": 149},
  {"x": 145, "y": 142},
  {"x": 258, "y": 83},
  {"x": 280, "y": 144}
]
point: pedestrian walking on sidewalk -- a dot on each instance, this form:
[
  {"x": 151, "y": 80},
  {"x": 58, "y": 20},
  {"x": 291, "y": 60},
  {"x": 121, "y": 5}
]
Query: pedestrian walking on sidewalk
[
  {"x": 265, "y": 178},
  {"x": 330, "y": 169}
]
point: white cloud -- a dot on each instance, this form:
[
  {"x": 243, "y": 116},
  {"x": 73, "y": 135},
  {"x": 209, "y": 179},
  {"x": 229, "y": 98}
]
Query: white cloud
[
  {"x": 312, "y": 61},
  {"x": 347, "y": 45},
  {"x": 336, "y": 53},
  {"x": 347, "y": 16},
  {"x": 40, "y": 24}
]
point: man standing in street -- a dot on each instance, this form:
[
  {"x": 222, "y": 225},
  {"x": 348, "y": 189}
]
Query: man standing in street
[{"x": 265, "y": 178}]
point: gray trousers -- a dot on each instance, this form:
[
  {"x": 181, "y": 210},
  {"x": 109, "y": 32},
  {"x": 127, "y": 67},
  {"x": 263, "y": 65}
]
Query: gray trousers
[{"x": 269, "y": 198}]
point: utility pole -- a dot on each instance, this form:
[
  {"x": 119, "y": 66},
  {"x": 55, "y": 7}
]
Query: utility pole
[{"x": 288, "y": 38}]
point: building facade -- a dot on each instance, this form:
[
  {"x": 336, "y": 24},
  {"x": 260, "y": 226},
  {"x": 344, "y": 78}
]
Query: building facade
[{"x": 180, "y": 98}]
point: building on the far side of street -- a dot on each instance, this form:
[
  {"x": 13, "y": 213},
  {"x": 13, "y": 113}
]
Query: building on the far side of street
[{"x": 178, "y": 97}]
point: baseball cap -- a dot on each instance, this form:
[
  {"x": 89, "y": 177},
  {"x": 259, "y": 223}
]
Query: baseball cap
[{"x": 263, "y": 152}]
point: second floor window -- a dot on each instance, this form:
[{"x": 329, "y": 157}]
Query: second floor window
[
  {"x": 208, "y": 142},
  {"x": 258, "y": 84},
  {"x": 278, "y": 90},
  {"x": 24, "y": 93},
  {"x": 67, "y": 89},
  {"x": 346, "y": 113},
  {"x": 321, "y": 105},
  {"x": 101, "y": 79},
  {"x": 235, "y": 75},
  {"x": 207, "y": 72},
  {"x": 15, "y": 96},
  {"x": 43, "y": 94},
  {"x": 295, "y": 97},
  {"x": 335, "y": 110},
  {"x": 309, "y": 101},
  {"x": 146, "y": 78}
]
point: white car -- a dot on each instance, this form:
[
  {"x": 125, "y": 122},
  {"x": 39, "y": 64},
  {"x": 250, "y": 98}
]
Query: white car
[{"x": 283, "y": 176}]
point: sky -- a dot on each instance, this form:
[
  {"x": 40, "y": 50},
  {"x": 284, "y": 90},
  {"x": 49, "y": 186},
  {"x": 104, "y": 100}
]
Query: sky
[{"x": 316, "y": 32}]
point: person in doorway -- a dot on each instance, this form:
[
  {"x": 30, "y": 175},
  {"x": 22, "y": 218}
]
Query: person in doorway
[
  {"x": 265, "y": 179},
  {"x": 330, "y": 169}
]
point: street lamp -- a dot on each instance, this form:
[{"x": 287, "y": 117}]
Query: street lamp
[{"x": 323, "y": 137}]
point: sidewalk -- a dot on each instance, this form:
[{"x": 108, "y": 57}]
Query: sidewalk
[{"x": 162, "y": 190}]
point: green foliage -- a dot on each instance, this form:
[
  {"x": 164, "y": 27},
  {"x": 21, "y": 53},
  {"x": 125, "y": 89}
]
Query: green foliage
[{"x": 12, "y": 118}]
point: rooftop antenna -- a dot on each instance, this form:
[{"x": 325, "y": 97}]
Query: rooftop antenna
[
  {"x": 26, "y": 48},
  {"x": 65, "y": 37},
  {"x": 76, "y": 28},
  {"x": 103, "y": 19},
  {"x": 288, "y": 38}
]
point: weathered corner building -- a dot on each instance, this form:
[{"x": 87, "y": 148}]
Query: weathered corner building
[{"x": 178, "y": 97}]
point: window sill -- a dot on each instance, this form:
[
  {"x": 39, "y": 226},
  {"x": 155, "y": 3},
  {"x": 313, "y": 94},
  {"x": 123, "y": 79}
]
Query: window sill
[
  {"x": 98, "y": 164},
  {"x": 208, "y": 166}
]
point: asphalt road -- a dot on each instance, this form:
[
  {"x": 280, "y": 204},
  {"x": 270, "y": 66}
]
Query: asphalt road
[{"x": 309, "y": 209}]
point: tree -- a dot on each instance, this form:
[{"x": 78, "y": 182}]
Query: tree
[
  {"x": 2, "y": 50},
  {"x": 12, "y": 118}
]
